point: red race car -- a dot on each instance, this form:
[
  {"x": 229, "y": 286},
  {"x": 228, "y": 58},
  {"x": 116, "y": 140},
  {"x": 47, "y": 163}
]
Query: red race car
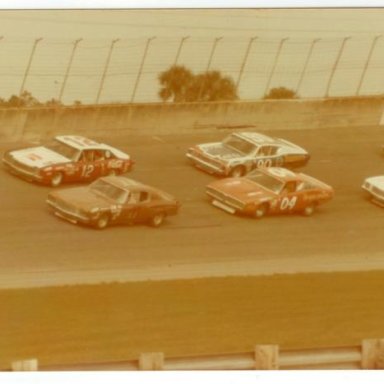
[
  {"x": 113, "y": 200},
  {"x": 67, "y": 159},
  {"x": 269, "y": 191}
]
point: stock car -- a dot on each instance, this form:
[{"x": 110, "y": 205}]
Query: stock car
[
  {"x": 269, "y": 191},
  {"x": 374, "y": 187},
  {"x": 67, "y": 159},
  {"x": 241, "y": 152},
  {"x": 113, "y": 200}
]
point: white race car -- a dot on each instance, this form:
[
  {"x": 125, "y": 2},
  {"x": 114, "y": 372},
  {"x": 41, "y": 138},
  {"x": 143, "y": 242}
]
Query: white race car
[
  {"x": 374, "y": 186},
  {"x": 241, "y": 152}
]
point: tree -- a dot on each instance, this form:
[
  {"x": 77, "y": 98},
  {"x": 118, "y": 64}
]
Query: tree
[
  {"x": 212, "y": 86},
  {"x": 179, "y": 84},
  {"x": 24, "y": 100},
  {"x": 175, "y": 83},
  {"x": 281, "y": 93}
]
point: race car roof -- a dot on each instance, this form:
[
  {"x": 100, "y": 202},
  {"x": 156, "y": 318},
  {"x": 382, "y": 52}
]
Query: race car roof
[
  {"x": 281, "y": 173},
  {"x": 81, "y": 142},
  {"x": 78, "y": 142},
  {"x": 257, "y": 138}
]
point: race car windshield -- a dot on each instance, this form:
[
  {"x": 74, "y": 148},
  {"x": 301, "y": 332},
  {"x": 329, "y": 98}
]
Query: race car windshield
[
  {"x": 266, "y": 181},
  {"x": 238, "y": 144},
  {"x": 63, "y": 149},
  {"x": 103, "y": 188}
]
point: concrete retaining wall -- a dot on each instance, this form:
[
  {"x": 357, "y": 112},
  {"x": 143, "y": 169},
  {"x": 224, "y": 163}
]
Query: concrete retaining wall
[{"x": 158, "y": 118}]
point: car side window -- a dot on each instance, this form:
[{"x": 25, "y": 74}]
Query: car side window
[
  {"x": 99, "y": 155},
  {"x": 267, "y": 150},
  {"x": 134, "y": 197},
  {"x": 87, "y": 156},
  {"x": 144, "y": 196},
  {"x": 289, "y": 187}
]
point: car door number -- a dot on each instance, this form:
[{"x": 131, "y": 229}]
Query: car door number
[
  {"x": 288, "y": 203},
  {"x": 87, "y": 170},
  {"x": 264, "y": 163}
]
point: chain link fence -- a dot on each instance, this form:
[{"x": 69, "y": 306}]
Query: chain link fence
[{"x": 126, "y": 70}]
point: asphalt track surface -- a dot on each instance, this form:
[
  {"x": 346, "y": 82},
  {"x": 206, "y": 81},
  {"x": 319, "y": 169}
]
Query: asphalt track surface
[{"x": 37, "y": 248}]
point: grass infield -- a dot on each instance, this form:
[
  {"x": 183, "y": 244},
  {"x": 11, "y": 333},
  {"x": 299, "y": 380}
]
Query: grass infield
[{"x": 107, "y": 322}]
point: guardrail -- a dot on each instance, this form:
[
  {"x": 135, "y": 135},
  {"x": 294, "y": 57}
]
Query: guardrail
[{"x": 368, "y": 355}]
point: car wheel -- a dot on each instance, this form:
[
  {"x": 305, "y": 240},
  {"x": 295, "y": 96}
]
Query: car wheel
[
  {"x": 56, "y": 179},
  {"x": 237, "y": 171},
  {"x": 261, "y": 211},
  {"x": 157, "y": 220},
  {"x": 102, "y": 222},
  {"x": 309, "y": 209}
]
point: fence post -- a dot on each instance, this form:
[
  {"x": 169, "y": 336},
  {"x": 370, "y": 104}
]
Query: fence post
[
  {"x": 372, "y": 354},
  {"x": 25, "y": 365},
  {"x": 267, "y": 357},
  {"x": 105, "y": 70},
  {"x": 314, "y": 41},
  {"x": 251, "y": 40},
  {"x": 367, "y": 64},
  {"x": 282, "y": 41},
  {"x": 75, "y": 44},
  {"x": 182, "y": 41},
  {"x": 153, "y": 361},
  {"x": 37, "y": 41},
  {"x": 141, "y": 68},
  {"x": 335, "y": 65}
]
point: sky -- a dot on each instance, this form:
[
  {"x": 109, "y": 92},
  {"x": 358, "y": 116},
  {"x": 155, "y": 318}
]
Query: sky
[{"x": 95, "y": 78}]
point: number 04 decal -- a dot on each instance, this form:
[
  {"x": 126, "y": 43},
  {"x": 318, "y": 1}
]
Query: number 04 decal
[{"x": 288, "y": 202}]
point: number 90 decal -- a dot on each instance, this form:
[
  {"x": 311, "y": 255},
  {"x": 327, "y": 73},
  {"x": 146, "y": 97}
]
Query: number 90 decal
[{"x": 264, "y": 163}]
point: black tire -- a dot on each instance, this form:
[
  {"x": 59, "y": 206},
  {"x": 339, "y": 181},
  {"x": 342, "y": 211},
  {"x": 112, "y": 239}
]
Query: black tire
[
  {"x": 56, "y": 179},
  {"x": 261, "y": 211},
  {"x": 157, "y": 219},
  {"x": 309, "y": 209},
  {"x": 102, "y": 222},
  {"x": 237, "y": 171}
]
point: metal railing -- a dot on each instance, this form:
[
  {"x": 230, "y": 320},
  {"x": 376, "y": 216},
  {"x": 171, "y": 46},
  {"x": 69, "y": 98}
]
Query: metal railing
[{"x": 368, "y": 355}]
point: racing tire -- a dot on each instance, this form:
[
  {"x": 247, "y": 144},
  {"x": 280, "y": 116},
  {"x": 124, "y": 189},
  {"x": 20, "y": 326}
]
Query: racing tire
[
  {"x": 56, "y": 179},
  {"x": 309, "y": 209},
  {"x": 261, "y": 211},
  {"x": 102, "y": 222},
  {"x": 157, "y": 219},
  {"x": 237, "y": 171}
]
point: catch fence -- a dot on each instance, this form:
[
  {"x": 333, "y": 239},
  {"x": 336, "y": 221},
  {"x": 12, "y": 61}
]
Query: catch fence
[{"x": 126, "y": 70}]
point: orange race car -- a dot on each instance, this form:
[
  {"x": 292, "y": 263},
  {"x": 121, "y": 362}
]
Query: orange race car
[
  {"x": 269, "y": 191},
  {"x": 113, "y": 200}
]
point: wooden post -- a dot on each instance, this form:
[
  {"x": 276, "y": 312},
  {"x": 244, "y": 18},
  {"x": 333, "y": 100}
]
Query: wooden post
[
  {"x": 153, "y": 361},
  {"x": 25, "y": 365},
  {"x": 267, "y": 357},
  {"x": 372, "y": 354}
]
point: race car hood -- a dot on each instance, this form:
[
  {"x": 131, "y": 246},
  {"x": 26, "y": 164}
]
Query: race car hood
[
  {"x": 242, "y": 189},
  {"x": 81, "y": 198},
  {"x": 219, "y": 151},
  {"x": 289, "y": 148},
  {"x": 38, "y": 157},
  {"x": 376, "y": 181}
]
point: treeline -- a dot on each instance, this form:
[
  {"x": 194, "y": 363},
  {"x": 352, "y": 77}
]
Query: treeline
[{"x": 26, "y": 99}]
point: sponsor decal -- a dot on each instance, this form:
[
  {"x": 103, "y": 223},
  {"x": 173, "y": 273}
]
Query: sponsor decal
[
  {"x": 34, "y": 157},
  {"x": 113, "y": 164}
]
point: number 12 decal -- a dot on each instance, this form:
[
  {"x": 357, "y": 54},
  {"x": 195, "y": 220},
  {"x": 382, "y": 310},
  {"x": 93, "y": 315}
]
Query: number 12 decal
[
  {"x": 288, "y": 202},
  {"x": 87, "y": 170}
]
